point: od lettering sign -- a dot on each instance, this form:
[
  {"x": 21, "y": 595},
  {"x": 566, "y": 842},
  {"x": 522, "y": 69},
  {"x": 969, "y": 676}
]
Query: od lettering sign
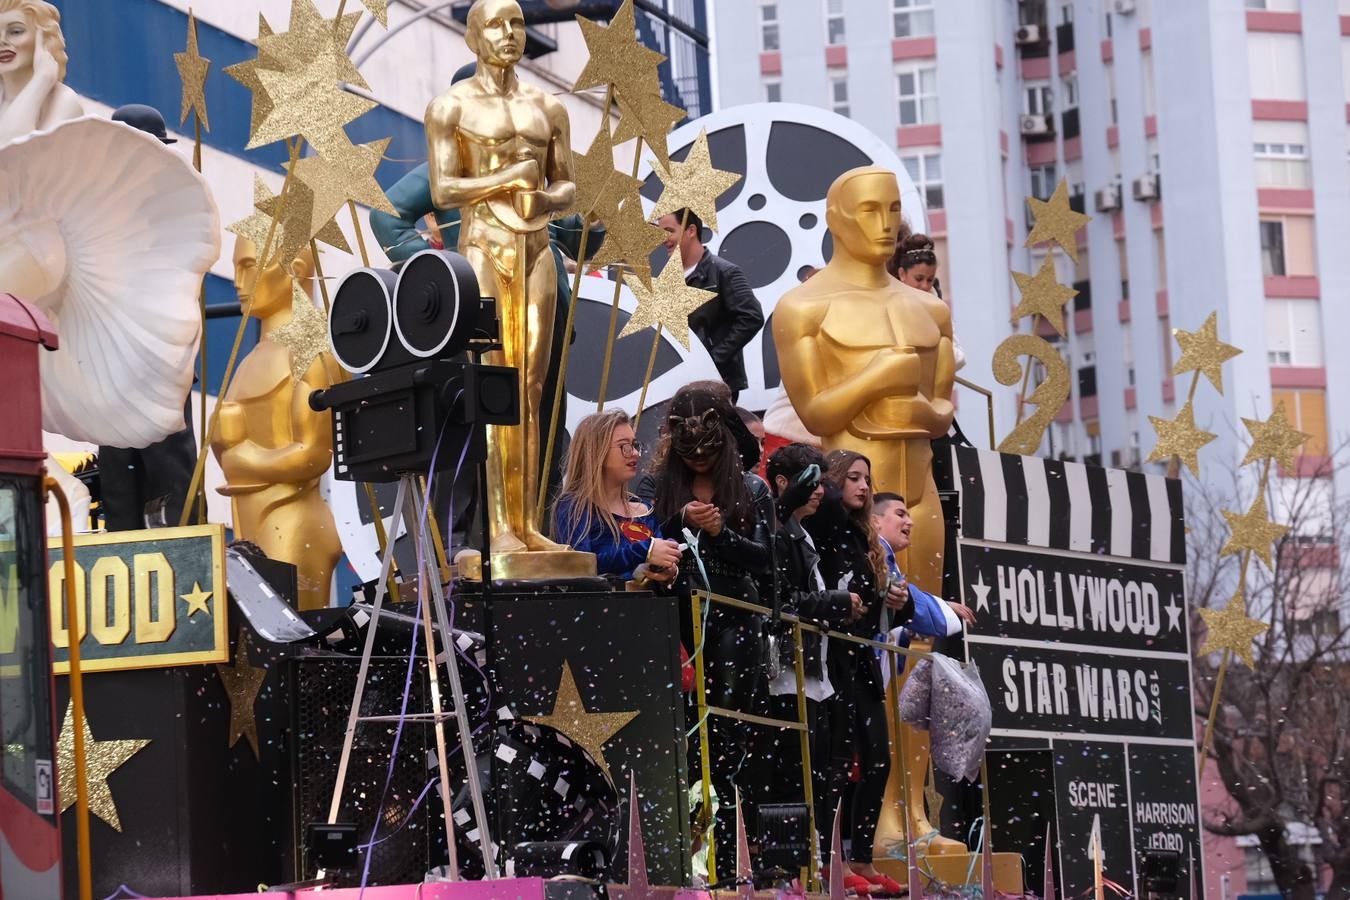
[{"x": 144, "y": 599}]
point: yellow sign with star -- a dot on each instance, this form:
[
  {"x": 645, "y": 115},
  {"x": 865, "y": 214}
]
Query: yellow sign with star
[{"x": 145, "y": 599}]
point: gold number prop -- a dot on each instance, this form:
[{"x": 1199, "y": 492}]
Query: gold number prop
[{"x": 1048, "y": 397}]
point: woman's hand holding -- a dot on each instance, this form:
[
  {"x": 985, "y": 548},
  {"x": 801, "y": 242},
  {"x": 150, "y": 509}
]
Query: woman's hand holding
[
  {"x": 897, "y": 594},
  {"x": 664, "y": 554}
]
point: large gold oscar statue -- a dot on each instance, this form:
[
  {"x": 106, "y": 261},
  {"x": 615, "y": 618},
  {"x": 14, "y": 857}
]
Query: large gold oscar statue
[
  {"x": 868, "y": 364},
  {"x": 500, "y": 150},
  {"x": 272, "y": 448}
]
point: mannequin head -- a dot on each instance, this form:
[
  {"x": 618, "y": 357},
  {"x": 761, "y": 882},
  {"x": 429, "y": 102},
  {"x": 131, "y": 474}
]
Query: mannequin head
[
  {"x": 862, "y": 210},
  {"x": 22, "y": 24}
]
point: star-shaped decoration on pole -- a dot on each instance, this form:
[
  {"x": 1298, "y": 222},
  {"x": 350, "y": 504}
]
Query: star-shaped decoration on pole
[
  {"x": 346, "y": 172},
  {"x": 1253, "y": 530},
  {"x": 196, "y": 600},
  {"x": 301, "y": 105},
  {"x": 1180, "y": 438},
  {"x": 616, "y": 56},
  {"x": 1232, "y": 629},
  {"x": 288, "y": 241},
  {"x": 1273, "y": 439},
  {"x": 379, "y": 9},
  {"x": 601, "y": 187},
  {"x": 694, "y": 184},
  {"x": 102, "y": 758},
  {"x": 649, "y": 117},
  {"x": 667, "y": 304},
  {"x": 1056, "y": 221},
  {"x": 1202, "y": 351},
  {"x": 630, "y": 238},
  {"x": 588, "y": 730},
  {"x": 305, "y": 335},
  {"x": 1043, "y": 295},
  {"x": 313, "y": 43},
  {"x": 242, "y": 682},
  {"x": 192, "y": 69}
]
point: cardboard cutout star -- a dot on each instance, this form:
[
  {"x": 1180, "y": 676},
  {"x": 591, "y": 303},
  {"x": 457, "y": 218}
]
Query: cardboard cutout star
[
  {"x": 242, "y": 682},
  {"x": 1180, "y": 438},
  {"x": 1232, "y": 629},
  {"x": 600, "y": 187},
  {"x": 305, "y": 335},
  {"x": 102, "y": 758},
  {"x": 346, "y": 171},
  {"x": 1202, "y": 351},
  {"x": 587, "y": 730},
  {"x": 379, "y": 9},
  {"x": 1056, "y": 221},
  {"x": 1043, "y": 295},
  {"x": 1252, "y": 530},
  {"x": 694, "y": 184},
  {"x": 192, "y": 69},
  {"x": 649, "y": 117},
  {"x": 312, "y": 43},
  {"x": 196, "y": 600},
  {"x": 667, "y": 304},
  {"x": 246, "y": 73},
  {"x": 630, "y": 238},
  {"x": 616, "y": 56},
  {"x": 288, "y": 238},
  {"x": 305, "y": 105},
  {"x": 1273, "y": 439}
]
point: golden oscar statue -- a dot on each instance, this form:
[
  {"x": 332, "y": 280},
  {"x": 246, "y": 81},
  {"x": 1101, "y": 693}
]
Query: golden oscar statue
[
  {"x": 500, "y": 151},
  {"x": 272, "y": 448},
  {"x": 868, "y": 364}
]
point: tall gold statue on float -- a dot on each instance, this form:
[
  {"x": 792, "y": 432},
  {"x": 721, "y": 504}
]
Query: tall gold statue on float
[
  {"x": 868, "y": 364},
  {"x": 272, "y": 448},
  {"x": 500, "y": 150}
]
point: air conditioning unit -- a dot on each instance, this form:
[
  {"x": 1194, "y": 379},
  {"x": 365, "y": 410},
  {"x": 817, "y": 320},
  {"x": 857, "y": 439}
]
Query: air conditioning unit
[
  {"x": 1122, "y": 7},
  {"x": 1028, "y": 34},
  {"x": 1107, "y": 199},
  {"x": 1146, "y": 186},
  {"x": 1035, "y": 125}
]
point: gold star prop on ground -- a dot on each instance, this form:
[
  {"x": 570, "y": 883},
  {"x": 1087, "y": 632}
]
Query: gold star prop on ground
[
  {"x": 649, "y": 117},
  {"x": 588, "y": 730},
  {"x": 1043, "y": 295},
  {"x": 305, "y": 335},
  {"x": 600, "y": 187},
  {"x": 668, "y": 303},
  {"x": 102, "y": 758},
  {"x": 1232, "y": 629},
  {"x": 1202, "y": 351},
  {"x": 332, "y": 178},
  {"x": 1252, "y": 530},
  {"x": 630, "y": 238},
  {"x": 694, "y": 184},
  {"x": 1179, "y": 437},
  {"x": 196, "y": 600},
  {"x": 192, "y": 69},
  {"x": 242, "y": 683},
  {"x": 1273, "y": 439},
  {"x": 616, "y": 56},
  {"x": 1056, "y": 221},
  {"x": 288, "y": 239}
]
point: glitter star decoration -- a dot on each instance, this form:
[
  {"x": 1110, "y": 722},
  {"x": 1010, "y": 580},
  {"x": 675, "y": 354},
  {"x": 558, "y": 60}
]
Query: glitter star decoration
[
  {"x": 630, "y": 238},
  {"x": 588, "y": 730},
  {"x": 694, "y": 184},
  {"x": 600, "y": 187},
  {"x": 1231, "y": 629},
  {"x": 1252, "y": 531},
  {"x": 192, "y": 69},
  {"x": 379, "y": 9},
  {"x": 616, "y": 57},
  {"x": 102, "y": 759},
  {"x": 1202, "y": 351},
  {"x": 242, "y": 682},
  {"x": 305, "y": 335},
  {"x": 289, "y": 239},
  {"x": 1180, "y": 438},
  {"x": 649, "y": 117},
  {"x": 1056, "y": 221},
  {"x": 667, "y": 304},
  {"x": 1273, "y": 439},
  {"x": 197, "y": 600},
  {"x": 345, "y": 172},
  {"x": 1043, "y": 295}
]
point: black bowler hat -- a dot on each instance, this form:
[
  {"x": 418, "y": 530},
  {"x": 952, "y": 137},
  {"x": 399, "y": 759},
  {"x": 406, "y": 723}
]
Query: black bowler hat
[{"x": 144, "y": 118}]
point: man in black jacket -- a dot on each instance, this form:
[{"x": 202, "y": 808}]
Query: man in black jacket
[{"x": 729, "y": 321}]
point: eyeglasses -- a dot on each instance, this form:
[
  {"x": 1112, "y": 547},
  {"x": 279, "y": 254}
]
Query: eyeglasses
[{"x": 630, "y": 448}]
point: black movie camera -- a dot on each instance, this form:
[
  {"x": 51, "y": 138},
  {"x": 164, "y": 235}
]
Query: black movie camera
[{"x": 412, "y": 340}]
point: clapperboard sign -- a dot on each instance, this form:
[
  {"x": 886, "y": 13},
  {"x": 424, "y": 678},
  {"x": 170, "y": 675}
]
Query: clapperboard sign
[{"x": 1076, "y": 574}]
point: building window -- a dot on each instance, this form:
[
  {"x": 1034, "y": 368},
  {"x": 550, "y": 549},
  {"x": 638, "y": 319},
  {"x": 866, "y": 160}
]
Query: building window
[
  {"x": 1276, "y": 64},
  {"x": 1307, "y": 412},
  {"x": 834, "y": 21},
  {"x": 1066, "y": 13},
  {"x": 1274, "y": 5},
  {"x": 768, "y": 27},
  {"x": 1281, "y": 150},
  {"x": 1069, "y": 84},
  {"x": 913, "y": 18},
  {"x": 1293, "y": 333},
  {"x": 839, "y": 93},
  {"x": 773, "y": 90},
  {"x": 917, "y": 90},
  {"x": 1272, "y": 247},
  {"x": 925, "y": 169},
  {"x": 1037, "y": 99},
  {"x": 1043, "y": 181}
]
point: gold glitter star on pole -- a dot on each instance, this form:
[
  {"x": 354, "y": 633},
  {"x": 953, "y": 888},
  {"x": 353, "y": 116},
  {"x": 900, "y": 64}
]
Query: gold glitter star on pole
[
  {"x": 306, "y": 106},
  {"x": 242, "y": 683},
  {"x": 192, "y": 69},
  {"x": 587, "y": 730},
  {"x": 1056, "y": 221},
  {"x": 379, "y": 9},
  {"x": 1179, "y": 437},
  {"x": 630, "y": 238},
  {"x": 305, "y": 335},
  {"x": 289, "y": 241},
  {"x": 1043, "y": 295},
  {"x": 1273, "y": 439},
  {"x": 667, "y": 304},
  {"x": 102, "y": 758},
  {"x": 196, "y": 600},
  {"x": 346, "y": 172},
  {"x": 1253, "y": 530},
  {"x": 312, "y": 43},
  {"x": 616, "y": 56},
  {"x": 600, "y": 187},
  {"x": 1202, "y": 351},
  {"x": 694, "y": 184},
  {"x": 1232, "y": 629},
  {"x": 649, "y": 117}
]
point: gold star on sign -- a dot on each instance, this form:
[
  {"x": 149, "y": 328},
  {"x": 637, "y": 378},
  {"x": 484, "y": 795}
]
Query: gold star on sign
[
  {"x": 288, "y": 239},
  {"x": 1273, "y": 439},
  {"x": 242, "y": 683},
  {"x": 694, "y": 184},
  {"x": 668, "y": 303},
  {"x": 345, "y": 172},
  {"x": 587, "y": 730},
  {"x": 1202, "y": 351},
  {"x": 1179, "y": 437},
  {"x": 601, "y": 188},
  {"x": 196, "y": 600},
  {"x": 1043, "y": 295},
  {"x": 616, "y": 56},
  {"x": 1056, "y": 221},
  {"x": 649, "y": 117},
  {"x": 305, "y": 335},
  {"x": 630, "y": 238},
  {"x": 102, "y": 758},
  {"x": 1252, "y": 530},
  {"x": 1232, "y": 629},
  {"x": 192, "y": 69}
]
